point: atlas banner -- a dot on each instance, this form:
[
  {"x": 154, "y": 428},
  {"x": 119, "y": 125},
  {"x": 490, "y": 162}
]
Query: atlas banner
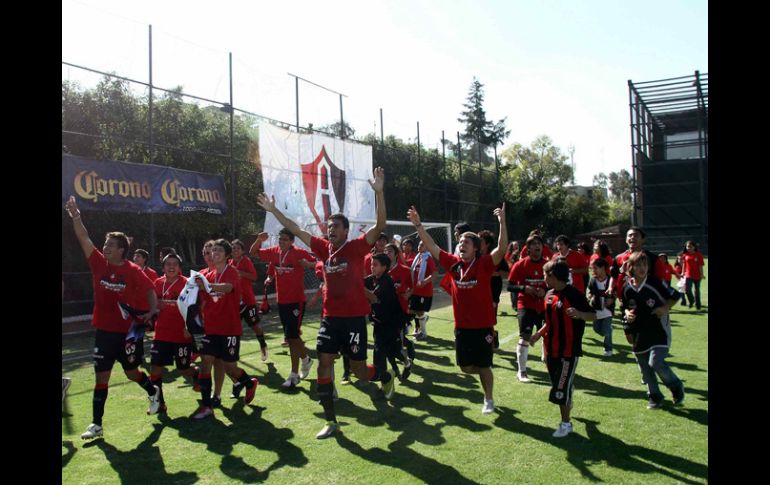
[
  {"x": 314, "y": 176},
  {"x": 134, "y": 187}
]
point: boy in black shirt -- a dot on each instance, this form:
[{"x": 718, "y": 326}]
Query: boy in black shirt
[{"x": 388, "y": 322}]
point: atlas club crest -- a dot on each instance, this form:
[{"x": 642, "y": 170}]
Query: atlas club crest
[{"x": 322, "y": 180}]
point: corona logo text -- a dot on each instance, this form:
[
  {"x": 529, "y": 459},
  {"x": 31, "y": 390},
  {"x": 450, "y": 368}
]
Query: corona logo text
[
  {"x": 174, "y": 193},
  {"x": 89, "y": 186}
]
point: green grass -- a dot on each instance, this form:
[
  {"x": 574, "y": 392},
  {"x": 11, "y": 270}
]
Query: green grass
[{"x": 433, "y": 431}]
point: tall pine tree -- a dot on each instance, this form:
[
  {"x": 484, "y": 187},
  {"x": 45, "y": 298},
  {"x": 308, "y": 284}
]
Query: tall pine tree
[{"x": 477, "y": 127}]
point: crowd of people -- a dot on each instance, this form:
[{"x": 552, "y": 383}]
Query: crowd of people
[{"x": 368, "y": 279}]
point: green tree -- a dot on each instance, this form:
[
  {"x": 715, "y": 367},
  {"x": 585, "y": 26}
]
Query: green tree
[
  {"x": 621, "y": 186},
  {"x": 479, "y": 130}
]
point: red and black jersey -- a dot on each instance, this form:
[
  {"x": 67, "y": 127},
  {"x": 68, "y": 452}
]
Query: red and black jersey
[
  {"x": 343, "y": 276},
  {"x": 530, "y": 273},
  {"x": 247, "y": 288},
  {"x": 693, "y": 262},
  {"x": 471, "y": 290},
  {"x": 221, "y": 311},
  {"x": 563, "y": 334},
  {"x": 647, "y": 330},
  {"x": 114, "y": 284},
  {"x": 170, "y": 325},
  {"x": 289, "y": 272}
]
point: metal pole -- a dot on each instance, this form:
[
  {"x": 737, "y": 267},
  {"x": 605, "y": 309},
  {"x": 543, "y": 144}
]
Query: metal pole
[
  {"x": 701, "y": 157},
  {"x": 296, "y": 99},
  {"x": 151, "y": 147},
  {"x": 342, "y": 121},
  {"x": 419, "y": 169},
  {"x": 443, "y": 160},
  {"x": 232, "y": 163},
  {"x": 382, "y": 131},
  {"x": 633, "y": 155},
  {"x": 460, "y": 162}
]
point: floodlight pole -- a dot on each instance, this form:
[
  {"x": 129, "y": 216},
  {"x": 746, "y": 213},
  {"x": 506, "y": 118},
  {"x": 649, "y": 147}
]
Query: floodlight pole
[{"x": 151, "y": 148}]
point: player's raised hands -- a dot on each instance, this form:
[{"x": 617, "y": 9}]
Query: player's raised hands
[
  {"x": 265, "y": 202},
  {"x": 379, "y": 179},
  {"x": 413, "y": 216}
]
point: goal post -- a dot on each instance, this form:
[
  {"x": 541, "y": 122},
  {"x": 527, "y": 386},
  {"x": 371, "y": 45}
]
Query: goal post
[{"x": 441, "y": 232}]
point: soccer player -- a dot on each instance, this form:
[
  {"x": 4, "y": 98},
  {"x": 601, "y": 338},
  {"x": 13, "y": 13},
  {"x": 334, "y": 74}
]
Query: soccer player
[
  {"x": 546, "y": 252},
  {"x": 577, "y": 264},
  {"x": 172, "y": 342},
  {"x": 248, "y": 274},
  {"x": 388, "y": 322},
  {"x": 471, "y": 276},
  {"x": 602, "y": 300},
  {"x": 290, "y": 287},
  {"x": 526, "y": 278},
  {"x": 140, "y": 258},
  {"x": 692, "y": 260},
  {"x": 566, "y": 310},
  {"x": 420, "y": 302},
  {"x": 115, "y": 281},
  {"x": 402, "y": 282},
  {"x": 345, "y": 306},
  {"x": 407, "y": 252},
  {"x": 222, "y": 327},
  {"x": 647, "y": 302}
]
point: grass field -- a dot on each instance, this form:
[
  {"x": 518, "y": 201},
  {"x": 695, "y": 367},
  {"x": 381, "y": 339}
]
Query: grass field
[{"x": 432, "y": 431}]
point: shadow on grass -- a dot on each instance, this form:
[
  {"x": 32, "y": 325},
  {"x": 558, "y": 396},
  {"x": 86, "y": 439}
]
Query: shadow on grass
[
  {"x": 144, "y": 464},
  {"x": 597, "y": 447},
  {"x": 65, "y": 458},
  {"x": 250, "y": 429}
]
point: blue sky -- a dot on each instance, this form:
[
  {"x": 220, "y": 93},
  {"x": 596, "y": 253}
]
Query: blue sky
[{"x": 551, "y": 67}]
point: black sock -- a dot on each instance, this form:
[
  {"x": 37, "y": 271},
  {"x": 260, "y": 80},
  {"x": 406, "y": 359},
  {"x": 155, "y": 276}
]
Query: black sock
[
  {"x": 325, "y": 395},
  {"x": 100, "y": 398},
  {"x": 146, "y": 384},
  {"x": 158, "y": 381},
  {"x": 262, "y": 343},
  {"x": 205, "y": 382}
]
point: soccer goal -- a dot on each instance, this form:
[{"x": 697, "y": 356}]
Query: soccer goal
[{"x": 441, "y": 232}]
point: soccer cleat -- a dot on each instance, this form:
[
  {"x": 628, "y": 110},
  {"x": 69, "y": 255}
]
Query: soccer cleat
[
  {"x": 292, "y": 381},
  {"x": 236, "y": 392},
  {"x": 607, "y": 353},
  {"x": 65, "y": 384},
  {"x": 263, "y": 351},
  {"x": 563, "y": 430},
  {"x": 345, "y": 379},
  {"x": 306, "y": 365},
  {"x": 678, "y": 396},
  {"x": 523, "y": 377},
  {"x": 92, "y": 431},
  {"x": 389, "y": 388},
  {"x": 154, "y": 401},
  {"x": 407, "y": 370},
  {"x": 328, "y": 430},
  {"x": 250, "y": 392},
  {"x": 489, "y": 406},
  {"x": 655, "y": 403},
  {"x": 216, "y": 402},
  {"x": 203, "y": 412}
]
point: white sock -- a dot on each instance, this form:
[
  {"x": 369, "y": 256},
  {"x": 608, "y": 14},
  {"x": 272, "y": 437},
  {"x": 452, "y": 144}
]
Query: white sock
[
  {"x": 424, "y": 324},
  {"x": 522, "y": 351}
]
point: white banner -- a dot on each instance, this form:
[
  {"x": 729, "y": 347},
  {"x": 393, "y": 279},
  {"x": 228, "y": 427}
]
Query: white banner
[{"x": 314, "y": 176}]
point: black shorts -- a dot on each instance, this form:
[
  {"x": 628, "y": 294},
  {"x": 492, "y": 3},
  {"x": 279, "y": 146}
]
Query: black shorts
[
  {"x": 473, "y": 346},
  {"x": 164, "y": 353},
  {"x": 343, "y": 334},
  {"x": 528, "y": 320},
  {"x": 420, "y": 303},
  {"x": 291, "y": 318},
  {"x": 561, "y": 370},
  {"x": 112, "y": 346},
  {"x": 224, "y": 347},
  {"x": 249, "y": 314}
]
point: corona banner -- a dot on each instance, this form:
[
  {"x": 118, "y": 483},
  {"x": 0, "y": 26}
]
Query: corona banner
[
  {"x": 134, "y": 187},
  {"x": 314, "y": 176}
]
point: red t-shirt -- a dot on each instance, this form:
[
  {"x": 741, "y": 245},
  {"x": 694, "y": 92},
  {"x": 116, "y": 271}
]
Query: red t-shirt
[
  {"x": 471, "y": 290},
  {"x": 575, "y": 260},
  {"x": 530, "y": 273},
  {"x": 607, "y": 258},
  {"x": 289, "y": 272},
  {"x": 408, "y": 259},
  {"x": 247, "y": 288},
  {"x": 221, "y": 312},
  {"x": 170, "y": 325},
  {"x": 150, "y": 273},
  {"x": 343, "y": 276},
  {"x": 112, "y": 285},
  {"x": 402, "y": 280},
  {"x": 692, "y": 265},
  {"x": 430, "y": 268},
  {"x": 669, "y": 270}
]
